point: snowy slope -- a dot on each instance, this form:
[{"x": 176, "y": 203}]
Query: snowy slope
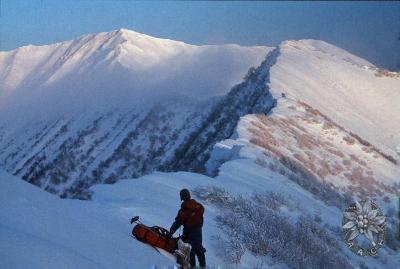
[
  {"x": 350, "y": 90},
  {"x": 95, "y": 234},
  {"x": 315, "y": 164},
  {"x": 39, "y": 230},
  {"x": 296, "y": 139},
  {"x": 55, "y": 233},
  {"x": 316, "y": 143}
]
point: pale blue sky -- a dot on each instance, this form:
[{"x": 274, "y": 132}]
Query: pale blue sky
[{"x": 368, "y": 29}]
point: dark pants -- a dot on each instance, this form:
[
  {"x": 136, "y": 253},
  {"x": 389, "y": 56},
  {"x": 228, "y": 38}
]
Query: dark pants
[{"x": 195, "y": 238}]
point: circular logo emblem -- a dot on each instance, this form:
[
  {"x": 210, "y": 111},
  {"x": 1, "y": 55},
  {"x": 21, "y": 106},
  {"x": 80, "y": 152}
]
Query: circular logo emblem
[{"x": 364, "y": 228}]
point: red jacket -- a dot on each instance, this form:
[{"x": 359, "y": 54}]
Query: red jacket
[{"x": 190, "y": 216}]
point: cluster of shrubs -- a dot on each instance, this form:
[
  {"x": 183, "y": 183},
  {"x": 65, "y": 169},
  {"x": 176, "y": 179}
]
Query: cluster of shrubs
[{"x": 259, "y": 225}]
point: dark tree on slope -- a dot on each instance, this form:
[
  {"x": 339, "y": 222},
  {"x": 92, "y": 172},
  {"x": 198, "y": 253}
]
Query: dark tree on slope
[
  {"x": 77, "y": 153},
  {"x": 250, "y": 96}
]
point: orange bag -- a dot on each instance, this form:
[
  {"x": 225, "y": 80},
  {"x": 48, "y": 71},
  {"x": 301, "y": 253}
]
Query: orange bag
[{"x": 155, "y": 236}]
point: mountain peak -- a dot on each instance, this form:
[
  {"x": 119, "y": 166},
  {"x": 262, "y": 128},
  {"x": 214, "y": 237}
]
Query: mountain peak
[
  {"x": 126, "y": 33},
  {"x": 126, "y": 30}
]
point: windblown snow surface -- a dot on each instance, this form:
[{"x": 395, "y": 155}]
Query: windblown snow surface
[
  {"x": 117, "y": 69},
  {"x": 284, "y": 176},
  {"x": 352, "y": 91}
]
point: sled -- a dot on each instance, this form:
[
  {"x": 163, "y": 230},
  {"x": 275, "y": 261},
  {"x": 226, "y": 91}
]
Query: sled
[
  {"x": 168, "y": 255},
  {"x": 155, "y": 236},
  {"x": 158, "y": 238}
]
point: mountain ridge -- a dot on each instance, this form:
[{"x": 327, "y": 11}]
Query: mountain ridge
[
  {"x": 120, "y": 121},
  {"x": 293, "y": 134}
]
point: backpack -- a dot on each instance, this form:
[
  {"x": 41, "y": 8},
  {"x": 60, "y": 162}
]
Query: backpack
[
  {"x": 191, "y": 214},
  {"x": 155, "y": 236}
]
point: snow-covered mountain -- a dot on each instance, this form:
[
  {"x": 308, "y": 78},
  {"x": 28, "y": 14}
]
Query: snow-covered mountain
[
  {"x": 308, "y": 129},
  {"x": 122, "y": 104},
  {"x": 121, "y": 69},
  {"x": 117, "y": 105}
]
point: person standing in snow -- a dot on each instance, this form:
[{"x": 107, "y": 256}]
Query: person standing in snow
[{"x": 190, "y": 216}]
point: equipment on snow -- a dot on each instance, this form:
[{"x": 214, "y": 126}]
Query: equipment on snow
[
  {"x": 161, "y": 240},
  {"x": 155, "y": 236}
]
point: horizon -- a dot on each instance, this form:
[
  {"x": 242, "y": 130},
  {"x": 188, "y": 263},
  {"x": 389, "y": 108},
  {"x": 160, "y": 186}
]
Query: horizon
[{"x": 366, "y": 29}]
